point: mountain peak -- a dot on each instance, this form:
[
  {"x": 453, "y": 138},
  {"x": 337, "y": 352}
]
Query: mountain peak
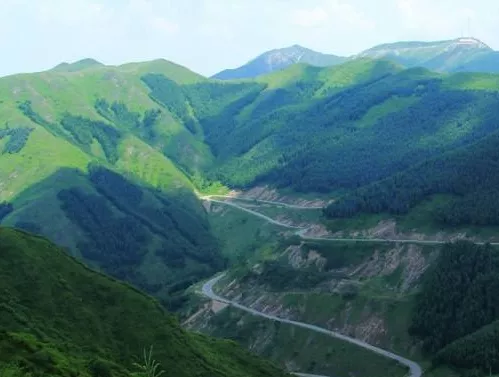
[
  {"x": 471, "y": 42},
  {"x": 443, "y": 56},
  {"x": 278, "y": 59},
  {"x": 77, "y": 66}
]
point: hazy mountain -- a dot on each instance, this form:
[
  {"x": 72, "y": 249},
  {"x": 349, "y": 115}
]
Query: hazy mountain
[
  {"x": 445, "y": 56},
  {"x": 279, "y": 59}
]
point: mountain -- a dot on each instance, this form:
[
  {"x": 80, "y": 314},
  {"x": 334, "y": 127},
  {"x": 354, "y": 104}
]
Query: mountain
[
  {"x": 77, "y": 66},
  {"x": 462, "y": 54},
  {"x": 83, "y": 162},
  {"x": 59, "y": 318},
  {"x": 143, "y": 137},
  {"x": 338, "y": 128},
  {"x": 278, "y": 59}
]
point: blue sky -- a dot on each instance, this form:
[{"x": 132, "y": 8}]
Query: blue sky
[{"x": 210, "y": 35}]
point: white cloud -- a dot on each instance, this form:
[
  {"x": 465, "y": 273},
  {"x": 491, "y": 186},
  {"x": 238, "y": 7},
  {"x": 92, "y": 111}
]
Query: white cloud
[
  {"x": 163, "y": 25},
  {"x": 309, "y": 17},
  {"x": 350, "y": 15},
  {"x": 429, "y": 18},
  {"x": 332, "y": 13}
]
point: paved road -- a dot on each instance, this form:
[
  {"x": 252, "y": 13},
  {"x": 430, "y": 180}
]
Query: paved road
[
  {"x": 300, "y": 231},
  {"x": 414, "y": 368},
  {"x": 258, "y": 214},
  {"x": 282, "y": 204}
]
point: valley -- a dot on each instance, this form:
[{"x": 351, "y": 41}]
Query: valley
[
  {"x": 363, "y": 288},
  {"x": 314, "y": 209},
  {"x": 207, "y": 290}
]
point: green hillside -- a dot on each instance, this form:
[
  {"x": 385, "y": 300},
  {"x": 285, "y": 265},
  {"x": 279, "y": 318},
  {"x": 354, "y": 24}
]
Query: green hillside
[
  {"x": 59, "y": 318},
  {"x": 466, "y": 177},
  {"x": 89, "y": 152},
  {"x": 460, "y": 329},
  {"x": 339, "y": 128},
  {"x": 86, "y": 162}
]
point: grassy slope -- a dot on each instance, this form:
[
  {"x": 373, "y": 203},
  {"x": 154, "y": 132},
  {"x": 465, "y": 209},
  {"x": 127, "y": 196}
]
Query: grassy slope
[
  {"x": 55, "y": 93},
  {"x": 243, "y": 238},
  {"x": 299, "y": 349},
  {"x": 52, "y": 160},
  {"x": 53, "y": 321}
]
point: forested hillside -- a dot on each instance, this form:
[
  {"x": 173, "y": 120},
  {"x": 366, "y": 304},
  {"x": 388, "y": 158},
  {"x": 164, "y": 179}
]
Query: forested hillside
[
  {"x": 457, "y": 311},
  {"x": 53, "y": 321},
  {"x": 86, "y": 163},
  {"x": 91, "y": 152},
  {"x": 468, "y": 176},
  {"x": 332, "y": 129}
]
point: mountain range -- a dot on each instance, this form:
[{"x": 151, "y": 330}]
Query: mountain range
[
  {"x": 88, "y": 147},
  {"x": 461, "y": 54},
  {"x": 111, "y": 162}
]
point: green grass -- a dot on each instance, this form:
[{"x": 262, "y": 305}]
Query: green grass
[
  {"x": 54, "y": 160},
  {"x": 150, "y": 166},
  {"x": 347, "y": 226},
  {"x": 301, "y": 350},
  {"x": 284, "y": 214},
  {"x": 53, "y": 321},
  {"x": 391, "y": 105},
  {"x": 42, "y": 156},
  {"x": 243, "y": 237},
  {"x": 473, "y": 81}
]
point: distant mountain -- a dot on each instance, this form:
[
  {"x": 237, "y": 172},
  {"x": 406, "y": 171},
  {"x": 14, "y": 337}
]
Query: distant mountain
[
  {"x": 279, "y": 59},
  {"x": 462, "y": 54}
]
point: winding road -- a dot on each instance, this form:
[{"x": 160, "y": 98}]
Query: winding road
[
  {"x": 414, "y": 368},
  {"x": 254, "y": 213},
  {"x": 300, "y": 231},
  {"x": 281, "y": 204}
]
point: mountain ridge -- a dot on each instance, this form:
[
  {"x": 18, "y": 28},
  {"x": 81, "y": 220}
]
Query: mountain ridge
[
  {"x": 468, "y": 53},
  {"x": 278, "y": 59}
]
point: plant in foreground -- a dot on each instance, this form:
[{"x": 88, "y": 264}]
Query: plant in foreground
[{"x": 149, "y": 366}]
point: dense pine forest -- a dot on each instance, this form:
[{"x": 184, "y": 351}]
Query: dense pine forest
[{"x": 458, "y": 307}]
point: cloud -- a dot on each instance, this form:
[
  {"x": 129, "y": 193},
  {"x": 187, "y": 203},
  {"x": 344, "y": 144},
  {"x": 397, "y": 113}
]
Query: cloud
[
  {"x": 429, "y": 18},
  {"x": 332, "y": 13},
  {"x": 309, "y": 17},
  {"x": 165, "y": 26}
]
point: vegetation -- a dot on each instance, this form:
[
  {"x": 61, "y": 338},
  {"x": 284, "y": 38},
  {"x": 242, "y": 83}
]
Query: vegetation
[
  {"x": 120, "y": 115},
  {"x": 17, "y": 138},
  {"x": 456, "y": 313},
  {"x": 284, "y": 344},
  {"x": 5, "y": 209},
  {"x": 469, "y": 174},
  {"x": 85, "y": 131},
  {"x": 124, "y": 225},
  {"x": 53, "y": 322}
]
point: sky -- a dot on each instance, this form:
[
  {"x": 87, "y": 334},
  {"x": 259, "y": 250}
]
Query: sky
[{"x": 210, "y": 35}]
